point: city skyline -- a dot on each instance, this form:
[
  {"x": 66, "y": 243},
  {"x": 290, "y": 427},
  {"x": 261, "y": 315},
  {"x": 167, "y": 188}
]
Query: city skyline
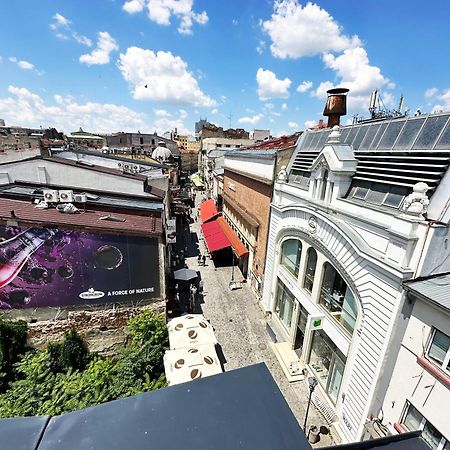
[{"x": 152, "y": 65}]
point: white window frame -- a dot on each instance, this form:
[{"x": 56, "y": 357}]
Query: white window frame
[{"x": 445, "y": 364}]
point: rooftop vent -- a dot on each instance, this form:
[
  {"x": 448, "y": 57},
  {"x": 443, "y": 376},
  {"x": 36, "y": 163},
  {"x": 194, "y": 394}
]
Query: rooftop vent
[{"x": 336, "y": 106}]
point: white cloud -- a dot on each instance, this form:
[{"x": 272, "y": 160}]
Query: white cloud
[
  {"x": 21, "y": 63},
  {"x": 269, "y": 86},
  {"x": 298, "y": 31},
  {"x": 82, "y": 39},
  {"x": 28, "y": 109},
  {"x": 261, "y": 46},
  {"x": 253, "y": 120},
  {"x": 284, "y": 106},
  {"x": 354, "y": 72},
  {"x": 310, "y": 124},
  {"x": 166, "y": 76},
  {"x": 60, "y": 22},
  {"x": 161, "y": 113},
  {"x": 275, "y": 113},
  {"x": 164, "y": 124},
  {"x": 444, "y": 102},
  {"x": 234, "y": 22},
  {"x": 183, "y": 113},
  {"x": 100, "y": 55},
  {"x": 61, "y": 26},
  {"x": 269, "y": 105},
  {"x": 293, "y": 125},
  {"x": 304, "y": 86},
  {"x": 282, "y": 133},
  {"x": 161, "y": 12},
  {"x": 431, "y": 92},
  {"x": 214, "y": 111}
]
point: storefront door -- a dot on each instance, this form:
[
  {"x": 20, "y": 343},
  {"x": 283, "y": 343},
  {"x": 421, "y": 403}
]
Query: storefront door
[{"x": 300, "y": 331}]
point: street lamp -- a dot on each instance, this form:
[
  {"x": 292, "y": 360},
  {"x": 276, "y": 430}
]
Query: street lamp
[
  {"x": 312, "y": 383},
  {"x": 232, "y": 283}
]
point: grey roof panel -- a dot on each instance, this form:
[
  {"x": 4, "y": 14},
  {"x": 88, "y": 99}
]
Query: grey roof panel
[
  {"x": 22, "y": 433},
  {"x": 435, "y": 288}
]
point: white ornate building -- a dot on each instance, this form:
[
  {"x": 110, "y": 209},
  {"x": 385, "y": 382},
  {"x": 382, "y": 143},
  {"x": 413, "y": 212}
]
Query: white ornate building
[{"x": 346, "y": 231}]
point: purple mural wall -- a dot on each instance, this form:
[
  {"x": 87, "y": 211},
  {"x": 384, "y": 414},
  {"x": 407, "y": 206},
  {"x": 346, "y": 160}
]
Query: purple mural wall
[{"x": 51, "y": 267}]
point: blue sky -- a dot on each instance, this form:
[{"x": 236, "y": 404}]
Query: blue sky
[{"x": 69, "y": 63}]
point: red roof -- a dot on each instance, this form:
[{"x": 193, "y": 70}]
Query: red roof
[
  {"x": 208, "y": 210},
  {"x": 27, "y": 213},
  {"x": 280, "y": 143},
  {"x": 215, "y": 238}
]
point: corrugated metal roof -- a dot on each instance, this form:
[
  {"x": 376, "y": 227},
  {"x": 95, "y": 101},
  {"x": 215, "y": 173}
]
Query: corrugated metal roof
[{"x": 435, "y": 288}]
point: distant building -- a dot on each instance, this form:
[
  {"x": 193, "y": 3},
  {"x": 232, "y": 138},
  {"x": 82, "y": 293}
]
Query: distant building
[
  {"x": 140, "y": 143},
  {"x": 260, "y": 135},
  {"x": 82, "y": 139},
  {"x": 199, "y": 126}
]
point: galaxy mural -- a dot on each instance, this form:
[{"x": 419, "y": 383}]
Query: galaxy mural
[{"x": 51, "y": 267}]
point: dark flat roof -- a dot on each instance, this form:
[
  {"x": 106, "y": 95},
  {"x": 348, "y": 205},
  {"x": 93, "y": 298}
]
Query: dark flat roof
[
  {"x": 26, "y": 212},
  {"x": 240, "y": 409},
  {"x": 22, "y": 433}
]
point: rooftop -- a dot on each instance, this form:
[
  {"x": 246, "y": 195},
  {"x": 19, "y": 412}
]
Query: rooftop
[
  {"x": 280, "y": 143},
  {"x": 25, "y": 212},
  {"x": 433, "y": 288}
]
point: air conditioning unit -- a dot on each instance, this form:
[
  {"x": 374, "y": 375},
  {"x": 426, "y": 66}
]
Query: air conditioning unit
[
  {"x": 80, "y": 198},
  {"x": 51, "y": 196},
  {"x": 66, "y": 196}
]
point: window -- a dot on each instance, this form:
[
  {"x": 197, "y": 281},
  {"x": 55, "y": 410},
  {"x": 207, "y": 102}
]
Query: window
[
  {"x": 323, "y": 186},
  {"x": 413, "y": 420},
  {"x": 310, "y": 269},
  {"x": 284, "y": 306},
  {"x": 327, "y": 363},
  {"x": 291, "y": 252},
  {"x": 338, "y": 299},
  {"x": 439, "y": 350}
]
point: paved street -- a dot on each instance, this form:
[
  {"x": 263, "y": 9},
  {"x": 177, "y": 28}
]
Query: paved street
[{"x": 240, "y": 327}]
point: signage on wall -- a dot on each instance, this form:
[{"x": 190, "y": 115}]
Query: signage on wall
[
  {"x": 171, "y": 231},
  {"x": 316, "y": 323},
  {"x": 312, "y": 224}
]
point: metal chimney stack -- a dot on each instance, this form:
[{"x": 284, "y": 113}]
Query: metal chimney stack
[{"x": 336, "y": 106}]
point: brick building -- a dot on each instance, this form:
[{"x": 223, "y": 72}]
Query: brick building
[{"x": 247, "y": 193}]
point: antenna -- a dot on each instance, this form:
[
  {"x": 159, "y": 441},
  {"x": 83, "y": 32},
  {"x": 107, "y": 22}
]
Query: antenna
[
  {"x": 229, "y": 118},
  {"x": 400, "y": 104}
]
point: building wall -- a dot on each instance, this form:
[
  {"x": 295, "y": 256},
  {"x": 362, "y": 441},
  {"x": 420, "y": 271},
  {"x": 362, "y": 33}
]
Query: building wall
[
  {"x": 48, "y": 172},
  {"x": 411, "y": 381},
  {"x": 377, "y": 289},
  {"x": 254, "y": 197}
]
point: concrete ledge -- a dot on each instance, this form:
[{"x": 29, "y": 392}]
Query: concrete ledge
[{"x": 289, "y": 361}]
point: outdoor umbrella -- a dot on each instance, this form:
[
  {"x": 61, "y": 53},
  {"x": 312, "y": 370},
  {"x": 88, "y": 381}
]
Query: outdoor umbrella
[
  {"x": 185, "y": 274},
  {"x": 190, "y": 330},
  {"x": 190, "y": 363}
]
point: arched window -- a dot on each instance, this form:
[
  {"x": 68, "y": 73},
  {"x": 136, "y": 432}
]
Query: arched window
[
  {"x": 310, "y": 271},
  {"x": 291, "y": 252},
  {"x": 337, "y": 298}
]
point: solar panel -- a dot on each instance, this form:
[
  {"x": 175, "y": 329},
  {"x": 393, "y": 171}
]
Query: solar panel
[
  {"x": 409, "y": 133},
  {"x": 391, "y": 134},
  {"x": 444, "y": 140},
  {"x": 430, "y": 132},
  {"x": 368, "y": 138}
]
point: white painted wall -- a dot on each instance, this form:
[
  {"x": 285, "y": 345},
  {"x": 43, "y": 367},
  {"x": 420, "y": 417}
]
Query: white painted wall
[
  {"x": 410, "y": 381},
  {"x": 47, "y": 171},
  {"x": 262, "y": 169}
]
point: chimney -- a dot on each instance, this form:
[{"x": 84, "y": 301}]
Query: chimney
[{"x": 336, "y": 106}]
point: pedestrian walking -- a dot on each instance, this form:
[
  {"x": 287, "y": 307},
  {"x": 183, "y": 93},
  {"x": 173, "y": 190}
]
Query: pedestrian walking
[
  {"x": 204, "y": 260},
  {"x": 199, "y": 258}
]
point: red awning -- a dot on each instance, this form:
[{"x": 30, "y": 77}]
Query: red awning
[
  {"x": 215, "y": 238},
  {"x": 239, "y": 248},
  {"x": 208, "y": 210}
]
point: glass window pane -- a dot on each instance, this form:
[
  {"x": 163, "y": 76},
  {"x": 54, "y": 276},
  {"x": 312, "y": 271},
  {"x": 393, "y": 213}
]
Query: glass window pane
[
  {"x": 412, "y": 419},
  {"x": 284, "y": 304},
  {"x": 361, "y": 191},
  {"x": 431, "y": 436},
  {"x": 430, "y": 133},
  {"x": 344, "y": 134},
  {"x": 307, "y": 141},
  {"x": 378, "y": 136},
  {"x": 314, "y": 140},
  {"x": 320, "y": 357},
  {"x": 376, "y": 194},
  {"x": 323, "y": 139},
  {"x": 359, "y": 137},
  {"x": 444, "y": 140},
  {"x": 395, "y": 196},
  {"x": 439, "y": 347},
  {"x": 336, "y": 375},
  {"x": 409, "y": 133},
  {"x": 351, "y": 135},
  {"x": 290, "y": 255},
  {"x": 369, "y": 137},
  {"x": 391, "y": 134},
  {"x": 310, "y": 269}
]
